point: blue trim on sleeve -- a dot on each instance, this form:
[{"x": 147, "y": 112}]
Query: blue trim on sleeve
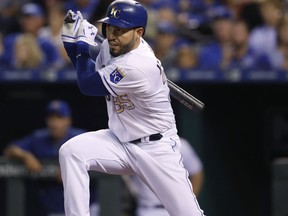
[{"x": 109, "y": 86}]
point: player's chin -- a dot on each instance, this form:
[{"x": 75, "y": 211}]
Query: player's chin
[{"x": 114, "y": 52}]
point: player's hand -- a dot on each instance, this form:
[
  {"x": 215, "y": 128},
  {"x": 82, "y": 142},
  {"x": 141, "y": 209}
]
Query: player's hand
[
  {"x": 32, "y": 163},
  {"x": 71, "y": 26},
  {"x": 87, "y": 33}
]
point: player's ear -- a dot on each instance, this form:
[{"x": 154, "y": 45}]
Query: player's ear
[{"x": 140, "y": 31}]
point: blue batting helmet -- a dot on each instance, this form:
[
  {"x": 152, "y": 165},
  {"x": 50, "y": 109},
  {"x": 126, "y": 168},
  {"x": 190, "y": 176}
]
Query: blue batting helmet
[{"x": 125, "y": 14}]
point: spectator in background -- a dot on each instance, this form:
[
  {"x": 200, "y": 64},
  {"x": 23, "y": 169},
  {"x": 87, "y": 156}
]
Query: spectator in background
[
  {"x": 24, "y": 44},
  {"x": 32, "y": 19},
  {"x": 44, "y": 144},
  {"x": 166, "y": 13},
  {"x": 1, "y": 44},
  {"x": 249, "y": 11},
  {"x": 98, "y": 13},
  {"x": 280, "y": 56},
  {"x": 186, "y": 60},
  {"x": 52, "y": 32},
  {"x": 192, "y": 21},
  {"x": 162, "y": 12},
  {"x": 199, "y": 14},
  {"x": 164, "y": 43},
  {"x": 263, "y": 38},
  {"x": 217, "y": 53},
  {"x": 243, "y": 56},
  {"x": 9, "y": 10},
  {"x": 86, "y": 7}
]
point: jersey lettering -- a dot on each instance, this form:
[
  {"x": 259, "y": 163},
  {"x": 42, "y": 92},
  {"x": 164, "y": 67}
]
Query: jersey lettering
[{"x": 121, "y": 102}]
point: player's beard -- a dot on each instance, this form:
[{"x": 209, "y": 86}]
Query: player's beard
[{"x": 123, "y": 49}]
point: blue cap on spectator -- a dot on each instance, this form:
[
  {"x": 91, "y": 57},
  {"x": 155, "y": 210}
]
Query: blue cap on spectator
[
  {"x": 32, "y": 9},
  {"x": 220, "y": 12},
  {"x": 166, "y": 27},
  {"x": 58, "y": 107},
  {"x": 183, "y": 43},
  {"x": 160, "y": 4}
]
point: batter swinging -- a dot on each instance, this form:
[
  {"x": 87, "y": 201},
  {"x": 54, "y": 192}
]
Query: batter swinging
[{"x": 142, "y": 137}]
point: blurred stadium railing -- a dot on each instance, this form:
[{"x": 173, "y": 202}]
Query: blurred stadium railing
[
  {"x": 69, "y": 75},
  {"x": 109, "y": 186}
]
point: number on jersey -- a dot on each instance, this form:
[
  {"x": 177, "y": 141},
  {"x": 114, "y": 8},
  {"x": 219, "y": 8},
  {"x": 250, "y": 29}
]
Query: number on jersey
[{"x": 121, "y": 102}]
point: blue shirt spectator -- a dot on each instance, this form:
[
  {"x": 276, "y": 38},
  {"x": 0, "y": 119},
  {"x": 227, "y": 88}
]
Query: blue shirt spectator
[
  {"x": 263, "y": 38},
  {"x": 210, "y": 56},
  {"x": 50, "y": 53},
  {"x": 44, "y": 144},
  {"x": 199, "y": 14},
  {"x": 41, "y": 143},
  {"x": 164, "y": 43},
  {"x": 213, "y": 54},
  {"x": 86, "y": 7},
  {"x": 32, "y": 19},
  {"x": 251, "y": 61},
  {"x": 243, "y": 55},
  {"x": 279, "y": 58}
]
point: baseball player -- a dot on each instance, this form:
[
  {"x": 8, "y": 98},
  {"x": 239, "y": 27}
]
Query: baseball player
[
  {"x": 141, "y": 138},
  {"x": 147, "y": 203}
]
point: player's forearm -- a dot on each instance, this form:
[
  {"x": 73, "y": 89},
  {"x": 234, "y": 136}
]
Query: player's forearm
[
  {"x": 89, "y": 81},
  {"x": 16, "y": 152}
]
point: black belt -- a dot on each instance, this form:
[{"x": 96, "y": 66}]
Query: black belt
[
  {"x": 155, "y": 206},
  {"x": 153, "y": 137}
]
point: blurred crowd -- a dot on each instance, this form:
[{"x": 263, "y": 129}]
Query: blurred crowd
[{"x": 185, "y": 34}]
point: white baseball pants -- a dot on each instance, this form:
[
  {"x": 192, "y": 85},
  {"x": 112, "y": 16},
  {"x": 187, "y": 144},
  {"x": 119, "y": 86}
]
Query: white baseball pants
[{"x": 157, "y": 163}]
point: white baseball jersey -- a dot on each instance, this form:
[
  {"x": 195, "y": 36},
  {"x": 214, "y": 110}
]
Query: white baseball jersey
[
  {"x": 139, "y": 104},
  {"x": 147, "y": 200}
]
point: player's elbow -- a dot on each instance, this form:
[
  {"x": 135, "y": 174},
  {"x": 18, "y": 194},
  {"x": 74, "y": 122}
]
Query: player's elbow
[
  {"x": 84, "y": 89},
  {"x": 92, "y": 87}
]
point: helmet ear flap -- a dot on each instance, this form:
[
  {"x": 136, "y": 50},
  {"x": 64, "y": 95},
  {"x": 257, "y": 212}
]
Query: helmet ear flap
[{"x": 104, "y": 25}]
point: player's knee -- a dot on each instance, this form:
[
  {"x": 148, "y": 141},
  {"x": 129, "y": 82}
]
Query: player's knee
[{"x": 65, "y": 150}]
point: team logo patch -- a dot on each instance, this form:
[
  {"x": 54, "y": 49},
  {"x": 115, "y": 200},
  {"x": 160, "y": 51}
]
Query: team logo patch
[
  {"x": 117, "y": 75},
  {"x": 115, "y": 12}
]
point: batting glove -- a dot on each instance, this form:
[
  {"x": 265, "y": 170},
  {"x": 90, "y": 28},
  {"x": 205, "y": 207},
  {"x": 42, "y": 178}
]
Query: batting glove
[
  {"x": 71, "y": 26},
  {"x": 87, "y": 33}
]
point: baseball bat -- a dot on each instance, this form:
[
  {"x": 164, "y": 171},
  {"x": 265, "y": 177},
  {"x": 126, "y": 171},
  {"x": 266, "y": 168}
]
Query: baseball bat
[{"x": 176, "y": 91}]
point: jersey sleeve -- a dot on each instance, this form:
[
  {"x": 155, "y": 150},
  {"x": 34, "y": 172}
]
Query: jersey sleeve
[
  {"x": 120, "y": 78},
  {"x": 191, "y": 160}
]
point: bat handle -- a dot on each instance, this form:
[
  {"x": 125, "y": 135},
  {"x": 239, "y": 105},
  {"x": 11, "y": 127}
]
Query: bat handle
[{"x": 99, "y": 38}]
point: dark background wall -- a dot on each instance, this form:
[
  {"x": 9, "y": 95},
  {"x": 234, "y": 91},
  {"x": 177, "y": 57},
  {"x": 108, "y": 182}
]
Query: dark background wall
[{"x": 234, "y": 135}]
